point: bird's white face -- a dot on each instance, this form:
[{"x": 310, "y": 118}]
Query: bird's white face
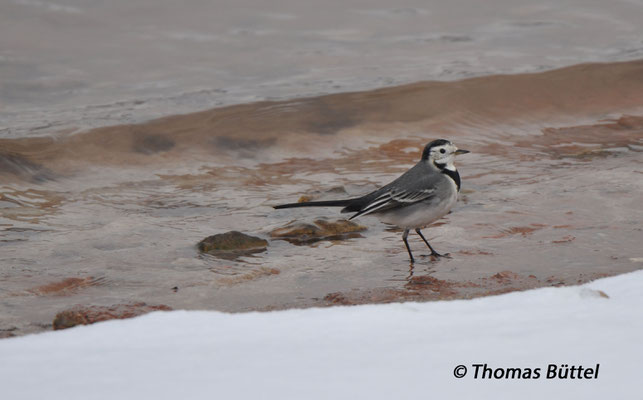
[{"x": 444, "y": 155}]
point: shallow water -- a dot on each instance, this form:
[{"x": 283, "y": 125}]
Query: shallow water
[
  {"x": 551, "y": 195},
  {"x": 70, "y": 65}
]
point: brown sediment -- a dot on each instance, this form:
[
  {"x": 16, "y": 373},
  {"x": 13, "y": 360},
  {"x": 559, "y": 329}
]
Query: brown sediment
[
  {"x": 475, "y": 252},
  {"x": 517, "y": 230},
  {"x": 583, "y": 142},
  {"x": 247, "y": 276},
  {"x": 564, "y": 239},
  {"x": 8, "y": 332},
  {"x": 85, "y": 315},
  {"x": 65, "y": 287},
  {"x": 429, "y": 288},
  {"x": 573, "y": 91},
  {"x": 29, "y": 204}
]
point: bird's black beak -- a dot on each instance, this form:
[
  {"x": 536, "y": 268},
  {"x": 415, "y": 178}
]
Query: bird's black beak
[{"x": 460, "y": 151}]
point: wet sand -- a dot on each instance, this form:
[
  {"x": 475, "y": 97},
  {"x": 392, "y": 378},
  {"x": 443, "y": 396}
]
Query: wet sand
[{"x": 551, "y": 195}]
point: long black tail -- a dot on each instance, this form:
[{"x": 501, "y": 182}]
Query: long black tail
[{"x": 329, "y": 203}]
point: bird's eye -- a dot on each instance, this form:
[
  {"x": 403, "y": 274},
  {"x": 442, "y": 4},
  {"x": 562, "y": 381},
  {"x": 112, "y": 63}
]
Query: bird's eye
[{"x": 442, "y": 151}]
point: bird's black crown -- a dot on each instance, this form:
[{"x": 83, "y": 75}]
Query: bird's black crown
[{"x": 428, "y": 147}]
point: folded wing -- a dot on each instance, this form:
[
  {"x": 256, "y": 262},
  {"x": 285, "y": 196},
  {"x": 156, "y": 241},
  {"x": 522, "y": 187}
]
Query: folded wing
[{"x": 394, "y": 198}]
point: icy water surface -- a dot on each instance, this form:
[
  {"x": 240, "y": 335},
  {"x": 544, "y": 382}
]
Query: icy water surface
[{"x": 551, "y": 195}]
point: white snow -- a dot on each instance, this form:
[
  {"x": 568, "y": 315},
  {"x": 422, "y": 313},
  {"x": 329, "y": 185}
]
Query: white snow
[{"x": 391, "y": 351}]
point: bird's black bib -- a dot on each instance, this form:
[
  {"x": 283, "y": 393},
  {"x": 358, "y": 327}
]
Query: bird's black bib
[{"x": 451, "y": 174}]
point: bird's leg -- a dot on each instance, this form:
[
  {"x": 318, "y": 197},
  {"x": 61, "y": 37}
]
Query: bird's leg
[
  {"x": 433, "y": 252},
  {"x": 406, "y": 243}
]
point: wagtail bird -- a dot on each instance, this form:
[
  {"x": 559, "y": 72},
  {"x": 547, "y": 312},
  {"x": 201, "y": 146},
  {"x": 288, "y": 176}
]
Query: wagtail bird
[{"x": 419, "y": 197}]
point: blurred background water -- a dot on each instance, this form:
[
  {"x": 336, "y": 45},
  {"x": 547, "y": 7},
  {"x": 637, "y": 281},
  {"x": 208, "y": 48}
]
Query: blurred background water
[{"x": 67, "y": 65}]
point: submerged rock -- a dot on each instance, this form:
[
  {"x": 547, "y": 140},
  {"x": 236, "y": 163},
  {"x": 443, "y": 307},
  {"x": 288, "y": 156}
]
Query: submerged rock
[
  {"x": 91, "y": 314},
  {"x": 7, "y": 332},
  {"x": 152, "y": 144},
  {"x": 21, "y": 166},
  {"x": 321, "y": 229},
  {"x": 232, "y": 242}
]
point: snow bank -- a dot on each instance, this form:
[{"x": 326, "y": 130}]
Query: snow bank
[{"x": 392, "y": 351}]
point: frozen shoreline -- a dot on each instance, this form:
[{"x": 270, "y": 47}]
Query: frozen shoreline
[{"x": 405, "y": 350}]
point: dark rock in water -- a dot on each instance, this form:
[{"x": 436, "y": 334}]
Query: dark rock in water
[
  {"x": 89, "y": 315},
  {"x": 321, "y": 229},
  {"x": 327, "y": 117},
  {"x": 21, "y": 166},
  {"x": 245, "y": 148},
  {"x": 233, "y": 242},
  {"x": 152, "y": 144},
  {"x": 7, "y": 332}
]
